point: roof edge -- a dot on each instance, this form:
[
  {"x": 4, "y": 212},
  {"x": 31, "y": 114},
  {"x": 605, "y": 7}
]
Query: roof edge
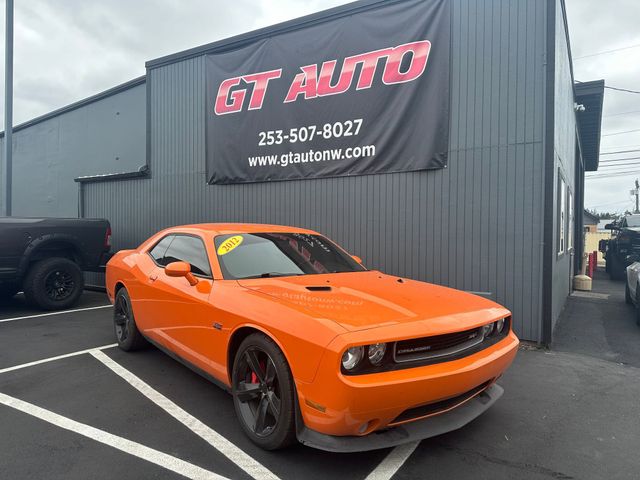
[
  {"x": 243, "y": 39},
  {"x": 80, "y": 103}
]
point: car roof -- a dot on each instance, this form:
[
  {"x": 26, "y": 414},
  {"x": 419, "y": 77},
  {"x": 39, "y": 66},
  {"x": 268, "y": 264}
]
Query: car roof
[{"x": 228, "y": 228}]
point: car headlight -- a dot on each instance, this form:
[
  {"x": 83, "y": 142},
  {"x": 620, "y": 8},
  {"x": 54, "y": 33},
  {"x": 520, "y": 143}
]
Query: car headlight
[
  {"x": 499, "y": 325},
  {"x": 376, "y": 353},
  {"x": 487, "y": 330},
  {"x": 351, "y": 358}
]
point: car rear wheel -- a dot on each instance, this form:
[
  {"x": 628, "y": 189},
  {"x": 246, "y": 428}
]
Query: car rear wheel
[
  {"x": 262, "y": 389},
  {"x": 124, "y": 323},
  {"x": 54, "y": 284}
]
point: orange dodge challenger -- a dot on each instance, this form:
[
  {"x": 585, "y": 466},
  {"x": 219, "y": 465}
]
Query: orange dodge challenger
[{"x": 310, "y": 343}]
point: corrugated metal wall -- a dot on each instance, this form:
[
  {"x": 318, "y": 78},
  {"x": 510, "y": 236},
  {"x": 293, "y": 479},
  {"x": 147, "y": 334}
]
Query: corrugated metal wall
[
  {"x": 476, "y": 225},
  {"x": 564, "y": 139},
  {"x": 104, "y": 136}
]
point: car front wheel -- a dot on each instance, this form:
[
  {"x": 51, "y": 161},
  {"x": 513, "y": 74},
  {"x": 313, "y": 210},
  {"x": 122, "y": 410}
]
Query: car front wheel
[
  {"x": 627, "y": 294},
  {"x": 262, "y": 388}
]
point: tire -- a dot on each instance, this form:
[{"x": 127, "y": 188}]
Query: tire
[
  {"x": 262, "y": 388},
  {"x": 54, "y": 284},
  {"x": 638, "y": 305},
  {"x": 617, "y": 269},
  {"x": 627, "y": 294},
  {"x": 124, "y": 324}
]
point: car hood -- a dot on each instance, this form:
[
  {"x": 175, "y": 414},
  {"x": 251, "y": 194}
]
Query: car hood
[{"x": 370, "y": 299}]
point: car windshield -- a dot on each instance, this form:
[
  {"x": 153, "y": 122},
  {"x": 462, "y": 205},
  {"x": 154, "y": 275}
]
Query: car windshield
[
  {"x": 633, "y": 221},
  {"x": 261, "y": 255}
]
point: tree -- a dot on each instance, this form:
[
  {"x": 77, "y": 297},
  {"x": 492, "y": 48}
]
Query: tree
[{"x": 602, "y": 215}]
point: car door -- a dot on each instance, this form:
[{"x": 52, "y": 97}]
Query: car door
[
  {"x": 182, "y": 314},
  {"x": 143, "y": 294},
  {"x": 632, "y": 278}
]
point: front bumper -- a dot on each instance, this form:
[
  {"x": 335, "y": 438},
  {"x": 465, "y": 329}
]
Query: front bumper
[
  {"x": 409, "y": 432},
  {"x": 353, "y": 406}
]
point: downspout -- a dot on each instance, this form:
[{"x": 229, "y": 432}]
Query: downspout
[{"x": 548, "y": 253}]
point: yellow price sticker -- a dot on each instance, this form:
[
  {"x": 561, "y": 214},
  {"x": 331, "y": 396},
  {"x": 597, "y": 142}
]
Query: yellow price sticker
[{"x": 229, "y": 244}]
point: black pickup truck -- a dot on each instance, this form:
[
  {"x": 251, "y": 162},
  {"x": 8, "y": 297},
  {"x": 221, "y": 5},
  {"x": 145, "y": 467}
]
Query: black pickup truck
[
  {"x": 45, "y": 257},
  {"x": 623, "y": 248}
]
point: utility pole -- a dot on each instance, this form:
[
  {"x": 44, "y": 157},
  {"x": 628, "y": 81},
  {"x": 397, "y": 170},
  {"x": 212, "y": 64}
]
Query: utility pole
[
  {"x": 8, "y": 105},
  {"x": 637, "y": 194}
]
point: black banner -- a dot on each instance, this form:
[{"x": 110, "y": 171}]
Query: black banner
[{"x": 360, "y": 94}]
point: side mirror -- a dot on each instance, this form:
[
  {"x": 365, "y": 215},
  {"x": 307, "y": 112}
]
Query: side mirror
[
  {"x": 181, "y": 269},
  {"x": 357, "y": 259},
  {"x": 610, "y": 226}
]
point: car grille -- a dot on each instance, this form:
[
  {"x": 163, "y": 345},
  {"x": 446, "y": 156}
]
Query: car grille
[
  {"x": 438, "y": 407},
  {"x": 426, "y": 348}
]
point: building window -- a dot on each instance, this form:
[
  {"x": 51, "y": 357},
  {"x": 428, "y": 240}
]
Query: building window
[
  {"x": 571, "y": 221},
  {"x": 562, "y": 220}
]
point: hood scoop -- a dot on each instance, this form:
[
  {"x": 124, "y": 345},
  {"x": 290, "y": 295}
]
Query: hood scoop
[{"x": 319, "y": 288}]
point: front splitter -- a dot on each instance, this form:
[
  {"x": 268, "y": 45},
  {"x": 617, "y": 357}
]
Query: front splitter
[{"x": 406, "y": 433}]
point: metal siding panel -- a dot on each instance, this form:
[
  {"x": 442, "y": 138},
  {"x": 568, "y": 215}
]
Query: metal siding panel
[{"x": 474, "y": 225}]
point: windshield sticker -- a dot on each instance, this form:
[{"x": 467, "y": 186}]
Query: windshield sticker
[{"x": 230, "y": 244}]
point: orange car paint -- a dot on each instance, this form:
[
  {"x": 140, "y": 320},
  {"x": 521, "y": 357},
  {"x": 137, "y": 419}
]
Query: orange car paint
[{"x": 312, "y": 328}]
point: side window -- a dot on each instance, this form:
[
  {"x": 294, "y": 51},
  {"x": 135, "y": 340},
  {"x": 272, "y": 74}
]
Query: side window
[
  {"x": 188, "y": 249},
  {"x": 158, "y": 252},
  {"x": 561, "y": 214}
]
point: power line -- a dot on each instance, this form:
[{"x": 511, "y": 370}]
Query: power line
[
  {"x": 620, "y": 133},
  {"x": 607, "y": 52},
  {"x": 621, "y": 151},
  {"x": 624, "y": 146},
  {"x": 611, "y": 175},
  {"x": 608, "y": 161},
  {"x": 621, "y": 113},
  {"x": 622, "y": 89},
  {"x": 615, "y": 88},
  {"x": 608, "y": 204}
]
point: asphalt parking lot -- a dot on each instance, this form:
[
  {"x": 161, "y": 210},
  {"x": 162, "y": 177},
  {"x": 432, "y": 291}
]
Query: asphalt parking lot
[{"x": 72, "y": 406}]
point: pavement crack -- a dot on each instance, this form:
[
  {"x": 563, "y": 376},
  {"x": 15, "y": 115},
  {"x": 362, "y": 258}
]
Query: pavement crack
[{"x": 529, "y": 467}]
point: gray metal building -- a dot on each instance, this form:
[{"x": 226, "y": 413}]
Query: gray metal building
[{"x": 503, "y": 219}]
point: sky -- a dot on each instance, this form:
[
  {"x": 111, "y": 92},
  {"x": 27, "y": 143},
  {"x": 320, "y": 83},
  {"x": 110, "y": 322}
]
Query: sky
[{"x": 67, "y": 50}]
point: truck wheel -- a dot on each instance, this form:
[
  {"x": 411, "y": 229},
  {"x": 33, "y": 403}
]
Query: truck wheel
[
  {"x": 53, "y": 284},
  {"x": 617, "y": 269}
]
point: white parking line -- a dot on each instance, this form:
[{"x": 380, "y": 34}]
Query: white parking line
[
  {"x": 392, "y": 462},
  {"x": 61, "y": 312},
  {"x": 59, "y": 357},
  {"x": 217, "y": 441},
  {"x": 164, "y": 460}
]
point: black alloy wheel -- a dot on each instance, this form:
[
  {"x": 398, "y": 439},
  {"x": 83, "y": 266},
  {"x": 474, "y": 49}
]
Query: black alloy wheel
[
  {"x": 127, "y": 334},
  {"x": 263, "y": 394},
  {"x": 54, "y": 283},
  {"x": 59, "y": 285},
  {"x": 258, "y": 391}
]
